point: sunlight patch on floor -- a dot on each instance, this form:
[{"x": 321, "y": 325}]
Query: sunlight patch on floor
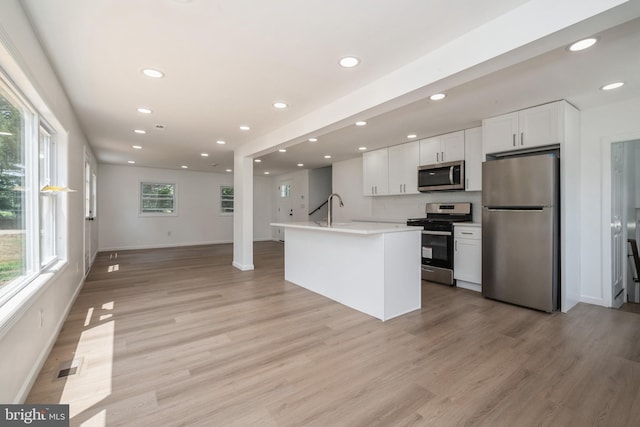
[{"x": 93, "y": 382}]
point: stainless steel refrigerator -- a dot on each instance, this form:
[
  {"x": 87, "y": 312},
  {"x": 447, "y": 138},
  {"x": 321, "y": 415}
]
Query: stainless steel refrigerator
[{"x": 520, "y": 230}]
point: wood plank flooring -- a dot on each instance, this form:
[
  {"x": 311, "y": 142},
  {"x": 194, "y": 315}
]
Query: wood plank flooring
[{"x": 179, "y": 337}]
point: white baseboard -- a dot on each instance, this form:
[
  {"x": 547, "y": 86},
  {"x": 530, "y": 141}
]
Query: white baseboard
[
  {"x": 468, "y": 285},
  {"x": 594, "y": 301},
  {"x": 243, "y": 267},
  {"x": 160, "y": 246}
]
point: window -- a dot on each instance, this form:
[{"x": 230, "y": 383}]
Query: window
[
  {"x": 13, "y": 189},
  {"x": 157, "y": 198},
  {"x": 226, "y": 199},
  {"x": 28, "y": 216},
  {"x": 47, "y": 172}
]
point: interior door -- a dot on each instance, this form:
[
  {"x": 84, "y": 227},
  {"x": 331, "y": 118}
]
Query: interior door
[
  {"x": 88, "y": 215},
  {"x": 618, "y": 246},
  {"x": 285, "y": 206}
]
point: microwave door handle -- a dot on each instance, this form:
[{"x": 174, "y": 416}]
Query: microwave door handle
[{"x": 451, "y": 175}]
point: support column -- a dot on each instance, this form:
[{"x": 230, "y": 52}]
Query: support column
[{"x": 242, "y": 212}]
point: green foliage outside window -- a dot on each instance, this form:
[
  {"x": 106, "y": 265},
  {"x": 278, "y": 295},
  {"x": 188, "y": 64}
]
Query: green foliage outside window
[{"x": 157, "y": 198}]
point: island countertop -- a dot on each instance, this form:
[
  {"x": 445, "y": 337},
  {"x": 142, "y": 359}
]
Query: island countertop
[{"x": 351, "y": 227}]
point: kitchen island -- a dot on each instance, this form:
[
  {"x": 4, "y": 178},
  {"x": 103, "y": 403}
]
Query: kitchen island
[{"x": 371, "y": 267}]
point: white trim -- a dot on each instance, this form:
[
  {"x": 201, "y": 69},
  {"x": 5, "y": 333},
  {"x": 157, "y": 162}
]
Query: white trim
[
  {"x": 594, "y": 301},
  {"x": 242, "y": 267},
  {"x": 605, "y": 192},
  {"x": 160, "y": 246}
]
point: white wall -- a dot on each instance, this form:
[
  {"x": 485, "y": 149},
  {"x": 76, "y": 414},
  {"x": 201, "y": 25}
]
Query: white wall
[
  {"x": 24, "y": 342},
  {"x": 599, "y": 127},
  {"x": 262, "y": 208},
  {"x": 198, "y": 219},
  {"x": 347, "y": 181},
  {"x": 319, "y": 190},
  {"x": 299, "y": 199}
]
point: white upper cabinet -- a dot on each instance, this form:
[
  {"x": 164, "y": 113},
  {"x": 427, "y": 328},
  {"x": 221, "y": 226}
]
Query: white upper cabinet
[
  {"x": 473, "y": 159},
  {"x": 442, "y": 148},
  {"x": 533, "y": 127},
  {"x": 403, "y": 168},
  {"x": 375, "y": 172}
]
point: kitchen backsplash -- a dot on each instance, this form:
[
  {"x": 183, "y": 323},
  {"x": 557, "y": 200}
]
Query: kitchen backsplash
[{"x": 412, "y": 206}]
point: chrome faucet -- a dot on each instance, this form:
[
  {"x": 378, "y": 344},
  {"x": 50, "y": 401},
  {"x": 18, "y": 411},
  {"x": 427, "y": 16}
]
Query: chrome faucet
[{"x": 330, "y": 199}]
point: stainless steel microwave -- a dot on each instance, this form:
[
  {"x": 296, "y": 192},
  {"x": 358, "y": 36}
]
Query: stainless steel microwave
[{"x": 441, "y": 177}]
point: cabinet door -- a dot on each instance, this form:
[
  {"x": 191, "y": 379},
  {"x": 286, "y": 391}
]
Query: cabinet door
[
  {"x": 403, "y": 168},
  {"x": 375, "y": 172},
  {"x": 540, "y": 125},
  {"x": 499, "y": 133},
  {"x": 467, "y": 260},
  {"x": 452, "y": 146},
  {"x": 382, "y": 177},
  {"x": 369, "y": 171},
  {"x": 430, "y": 151},
  {"x": 473, "y": 159}
]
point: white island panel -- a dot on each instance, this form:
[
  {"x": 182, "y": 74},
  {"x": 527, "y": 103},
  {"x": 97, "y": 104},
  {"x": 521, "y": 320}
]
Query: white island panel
[{"x": 375, "y": 271}]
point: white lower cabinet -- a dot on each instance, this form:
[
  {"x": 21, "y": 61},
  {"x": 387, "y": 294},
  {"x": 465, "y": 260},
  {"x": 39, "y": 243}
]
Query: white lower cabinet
[{"x": 467, "y": 257}]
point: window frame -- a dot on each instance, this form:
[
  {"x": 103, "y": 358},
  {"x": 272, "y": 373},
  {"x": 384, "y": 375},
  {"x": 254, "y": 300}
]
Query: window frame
[
  {"x": 35, "y": 271},
  {"x": 142, "y": 213},
  {"x": 221, "y": 210}
]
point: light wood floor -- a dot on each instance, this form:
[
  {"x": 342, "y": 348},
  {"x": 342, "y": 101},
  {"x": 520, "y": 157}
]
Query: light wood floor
[{"x": 179, "y": 337}]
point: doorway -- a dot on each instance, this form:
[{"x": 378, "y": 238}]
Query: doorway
[
  {"x": 625, "y": 220},
  {"x": 285, "y": 206}
]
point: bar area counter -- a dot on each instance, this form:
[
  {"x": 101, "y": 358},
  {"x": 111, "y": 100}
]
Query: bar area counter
[{"x": 370, "y": 267}]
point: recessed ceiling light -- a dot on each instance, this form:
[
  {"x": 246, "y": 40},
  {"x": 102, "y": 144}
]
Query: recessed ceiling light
[
  {"x": 283, "y": 150},
  {"x": 327, "y": 156},
  {"x": 204, "y": 154},
  {"x": 144, "y": 110},
  {"x": 313, "y": 139},
  {"x": 154, "y": 74},
  {"x": 140, "y": 131},
  {"x": 257, "y": 160},
  {"x": 279, "y": 105},
  {"x": 300, "y": 164},
  {"x": 229, "y": 170},
  {"x": 361, "y": 123},
  {"x": 220, "y": 142},
  {"x": 184, "y": 167},
  {"x": 437, "y": 96},
  {"x": 6, "y": 133},
  {"x": 349, "y": 62},
  {"x": 611, "y": 86},
  {"x": 362, "y": 148},
  {"x": 412, "y": 135},
  {"x": 137, "y": 147},
  {"x": 245, "y": 127},
  {"x": 266, "y": 173},
  {"x": 131, "y": 162},
  {"x": 583, "y": 44}
]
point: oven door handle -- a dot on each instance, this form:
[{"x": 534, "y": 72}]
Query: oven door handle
[
  {"x": 451, "y": 175},
  {"x": 436, "y": 233}
]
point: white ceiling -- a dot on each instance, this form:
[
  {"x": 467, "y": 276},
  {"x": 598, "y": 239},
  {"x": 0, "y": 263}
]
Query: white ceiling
[{"x": 227, "y": 61}]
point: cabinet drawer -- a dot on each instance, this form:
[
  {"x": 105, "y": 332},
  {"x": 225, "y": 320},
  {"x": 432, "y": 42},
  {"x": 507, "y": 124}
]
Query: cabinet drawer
[{"x": 462, "y": 232}]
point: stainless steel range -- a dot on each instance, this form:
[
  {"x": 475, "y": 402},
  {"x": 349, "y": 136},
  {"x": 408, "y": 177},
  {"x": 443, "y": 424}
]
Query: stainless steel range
[{"x": 437, "y": 239}]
